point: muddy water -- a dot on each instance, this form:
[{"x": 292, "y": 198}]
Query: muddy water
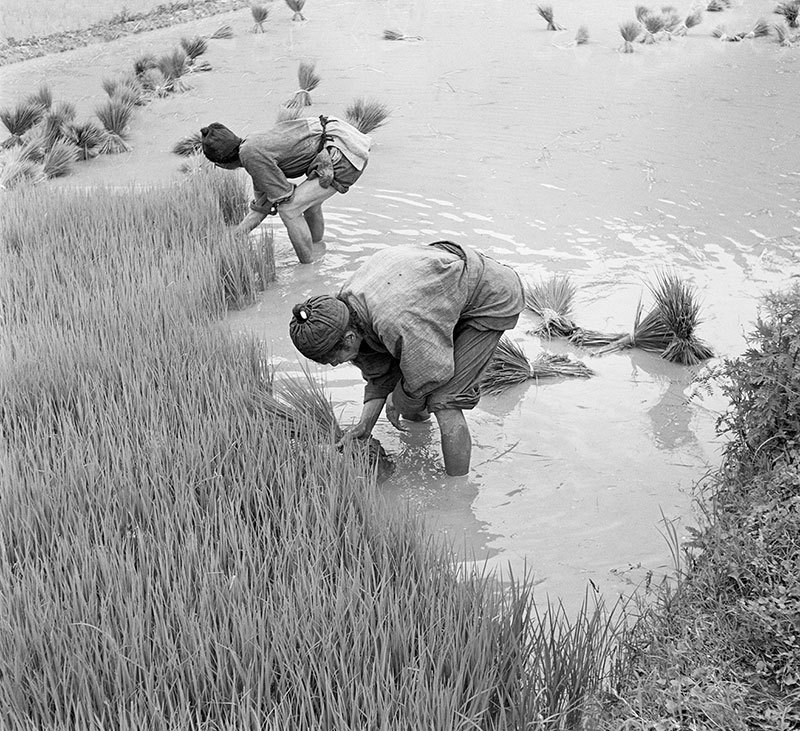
[{"x": 556, "y": 159}]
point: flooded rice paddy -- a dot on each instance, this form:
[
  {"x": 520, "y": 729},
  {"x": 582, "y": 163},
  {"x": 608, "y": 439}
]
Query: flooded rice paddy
[{"x": 552, "y": 157}]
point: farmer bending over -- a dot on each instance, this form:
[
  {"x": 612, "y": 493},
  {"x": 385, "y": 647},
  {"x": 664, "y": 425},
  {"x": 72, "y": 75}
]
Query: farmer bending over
[
  {"x": 421, "y": 323},
  {"x": 329, "y": 152}
]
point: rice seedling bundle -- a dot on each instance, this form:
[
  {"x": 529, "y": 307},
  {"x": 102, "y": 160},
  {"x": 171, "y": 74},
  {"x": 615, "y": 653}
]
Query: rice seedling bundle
[
  {"x": 87, "y": 137},
  {"x": 43, "y": 96},
  {"x": 174, "y": 66},
  {"x": 653, "y": 24},
  {"x": 189, "y": 145},
  {"x": 510, "y": 366},
  {"x": 308, "y": 80},
  {"x": 784, "y": 37},
  {"x": 18, "y": 169},
  {"x": 223, "y": 32},
  {"x": 690, "y": 21},
  {"x": 56, "y": 121},
  {"x": 552, "y": 300},
  {"x": 296, "y": 6},
  {"x": 194, "y": 46},
  {"x": 716, "y": 6},
  {"x": 115, "y": 115},
  {"x": 593, "y": 338},
  {"x": 19, "y": 119},
  {"x": 629, "y": 32},
  {"x": 669, "y": 327},
  {"x": 641, "y": 12},
  {"x": 60, "y": 158},
  {"x": 128, "y": 89},
  {"x": 366, "y": 115},
  {"x": 759, "y": 30},
  {"x": 395, "y": 35},
  {"x": 546, "y": 12},
  {"x": 260, "y": 13},
  {"x": 154, "y": 82},
  {"x": 582, "y": 35},
  {"x": 143, "y": 63},
  {"x": 790, "y": 11}
]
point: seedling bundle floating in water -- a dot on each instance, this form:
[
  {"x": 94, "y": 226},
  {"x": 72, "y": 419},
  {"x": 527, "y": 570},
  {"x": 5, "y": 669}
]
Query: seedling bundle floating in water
[
  {"x": 510, "y": 366},
  {"x": 297, "y": 7},
  {"x": 551, "y": 299},
  {"x": 366, "y": 115},
  {"x": 669, "y": 327},
  {"x": 759, "y": 30},
  {"x": 546, "y": 11},
  {"x": 308, "y": 80},
  {"x": 260, "y": 14}
]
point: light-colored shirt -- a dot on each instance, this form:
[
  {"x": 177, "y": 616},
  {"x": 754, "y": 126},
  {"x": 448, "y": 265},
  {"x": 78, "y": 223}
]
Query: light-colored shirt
[
  {"x": 409, "y": 299},
  {"x": 288, "y": 150}
]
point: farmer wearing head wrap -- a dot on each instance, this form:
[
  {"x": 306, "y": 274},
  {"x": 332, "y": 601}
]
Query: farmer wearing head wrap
[
  {"x": 330, "y": 153},
  {"x": 421, "y": 323}
]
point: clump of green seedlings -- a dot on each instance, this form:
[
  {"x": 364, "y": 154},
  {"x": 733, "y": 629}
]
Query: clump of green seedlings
[
  {"x": 790, "y": 11},
  {"x": 630, "y": 32},
  {"x": 366, "y": 115},
  {"x": 174, "y": 66},
  {"x": 19, "y": 119},
  {"x": 224, "y": 32},
  {"x": 143, "y": 459},
  {"x": 784, "y": 37},
  {"x": 654, "y": 25},
  {"x": 128, "y": 89},
  {"x": 690, "y": 21},
  {"x": 88, "y": 137},
  {"x": 194, "y": 47},
  {"x": 669, "y": 328},
  {"x": 759, "y": 30},
  {"x": 115, "y": 115},
  {"x": 308, "y": 80},
  {"x": 546, "y": 12},
  {"x": 260, "y": 14},
  {"x": 510, "y": 366},
  {"x": 552, "y": 299},
  {"x": 716, "y": 6},
  {"x": 296, "y": 6},
  {"x": 395, "y": 35},
  {"x": 582, "y": 35},
  {"x": 189, "y": 145}
]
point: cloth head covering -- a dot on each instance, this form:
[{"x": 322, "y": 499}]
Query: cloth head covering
[
  {"x": 219, "y": 143},
  {"x": 318, "y": 324}
]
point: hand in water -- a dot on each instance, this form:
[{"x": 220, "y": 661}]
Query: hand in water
[{"x": 357, "y": 431}]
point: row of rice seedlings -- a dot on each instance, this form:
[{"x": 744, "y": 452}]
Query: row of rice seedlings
[
  {"x": 296, "y": 6},
  {"x": 546, "y": 12},
  {"x": 790, "y": 11},
  {"x": 231, "y": 189},
  {"x": 165, "y": 543},
  {"x": 669, "y": 327},
  {"x": 260, "y": 14},
  {"x": 308, "y": 80},
  {"x": 759, "y": 30},
  {"x": 366, "y": 115},
  {"x": 511, "y": 366}
]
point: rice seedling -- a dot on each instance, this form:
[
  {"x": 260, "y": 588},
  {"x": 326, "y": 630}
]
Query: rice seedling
[
  {"x": 582, "y": 35},
  {"x": 143, "y": 63},
  {"x": 194, "y": 46},
  {"x": 260, "y": 13},
  {"x": 759, "y": 30},
  {"x": 19, "y": 119},
  {"x": 669, "y": 327},
  {"x": 18, "y": 169},
  {"x": 790, "y": 11},
  {"x": 288, "y": 111},
  {"x": 128, "y": 89},
  {"x": 308, "y": 80},
  {"x": 396, "y": 35},
  {"x": 546, "y": 12},
  {"x": 716, "y": 6},
  {"x": 189, "y": 145},
  {"x": 510, "y": 366},
  {"x": 115, "y": 116},
  {"x": 296, "y": 6},
  {"x": 653, "y": 25},
  {"x": 784, "y": 37},
  {"x": 641, "y": 12},
  {"x": 154, "y": 82},
  {"x": 366, "y": 115},
  {"x": 672, "y": 21},
  {"x": 173, "y": 66},
  {"x": 43, "y": 96},
  {"x": 551, "y": 299},
  {"x": 690, "y": 21},
  {"x": 87, "y": 137},
  {"x": 224, "y": 32},
  {"x": 56, "y": 121},
  {"x": 629, "y": 32},
  {"x": 60, "y": 158}
]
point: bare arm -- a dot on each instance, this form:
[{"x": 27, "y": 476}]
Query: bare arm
[
  {"x": 363, "y": 427},
  {"x": 250, "y": 221}
]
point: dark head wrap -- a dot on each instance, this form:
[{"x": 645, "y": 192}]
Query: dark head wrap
[
  {"x": 219, "y": 143},
  {"x": 318, "y": 324}
]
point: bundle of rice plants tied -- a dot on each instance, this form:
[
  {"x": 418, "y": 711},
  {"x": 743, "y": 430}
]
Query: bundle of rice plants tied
[
  {"x": 593, "y": 338},
  {"x": 672, "y": 21},
  {"x": 784, "y": 37},
  {"x": 154, "y": 82},
  {"x": 308, "y": 80},
  {"x": 396, "y": 35},
  {"x": 173, "y": 66},
  {"x": 143, "y": 63},
  {"x": 717, "y": 6},
  {"x": 55, "y": 124},
  {"x": 128, "y": 88},
  {"x": 366, "y": 115},
  {"x": 641, "y": 11},
  {"x": 224, "y": 32},
  {"x": 43, "y": 96},
  {"x": 690, "y": 21},
  {"x": 790, "y": 11},
  {"x": 60, "y": 158},
  {"x": 260, "y": 13},
  {"x": 629, "y": 32},
  {"x": 297, "y": 7},
  {"x": 115, "y": 115},
  {"x": 510, "y": 366},
  {"x": 19, "y": 119},
  {"x": 653, "y": 25},
  {"x": 87, "y": 137},
  {"x": 546, "y": 11},
  {"x": 551, "y": 299},
  {"x": 669, "y": 327},
  {"x": 189, "y": 145},
  {"x": 582, "y": 36},
  {"x": 17, "y": 168},
  {"x": 288, "y": 111},
  {"x": 194, "y": 47},
  {"x": 759, "y": 30}
]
